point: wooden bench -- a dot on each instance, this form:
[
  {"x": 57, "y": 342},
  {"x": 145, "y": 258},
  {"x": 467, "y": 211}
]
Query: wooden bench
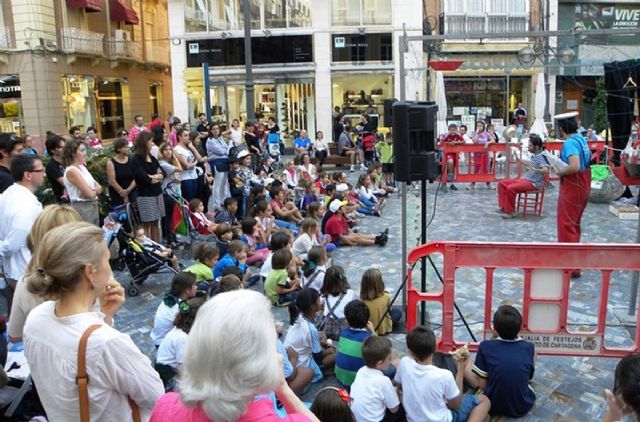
[{"x": 334, "y": 158}]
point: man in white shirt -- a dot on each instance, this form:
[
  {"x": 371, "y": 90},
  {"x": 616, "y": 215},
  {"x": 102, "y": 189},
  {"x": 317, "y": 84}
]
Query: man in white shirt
[{"x": 19, "y": 208}]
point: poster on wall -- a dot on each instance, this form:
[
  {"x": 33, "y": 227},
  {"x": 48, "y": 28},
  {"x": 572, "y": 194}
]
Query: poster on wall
[
  {"x": 459, "y": 111},
  {"x": 589, "y": 16},
  {"x": 469, "y": 120}
]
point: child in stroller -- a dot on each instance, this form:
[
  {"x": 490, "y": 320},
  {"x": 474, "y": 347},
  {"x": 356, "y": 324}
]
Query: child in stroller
[{"x": 158, "y": 251}]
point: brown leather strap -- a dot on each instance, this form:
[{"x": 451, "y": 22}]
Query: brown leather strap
[
  {"x": 82, "y": 380},
  {"x": 135, "y": 412}
]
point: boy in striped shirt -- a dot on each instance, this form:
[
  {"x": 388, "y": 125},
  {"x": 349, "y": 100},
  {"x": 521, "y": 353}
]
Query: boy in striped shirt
[{"x": 349, "y": 353}]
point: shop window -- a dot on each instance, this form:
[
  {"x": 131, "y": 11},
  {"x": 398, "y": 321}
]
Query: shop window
[
  {"x": 490, "y": 16},
  {"x": 287, "y": 14},
  {"x": 11, "y": 119},
  {"x": 79, "y": 101},
  {"x": 110, "y": 108},
  {"x": 360, "y": 12},
  {"x": 195, "y": 16},
  {"x": 356, "y": 95},
  {"x": 155, "y": 95}
]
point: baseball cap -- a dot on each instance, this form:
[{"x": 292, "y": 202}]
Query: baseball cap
[
  {"x": 342, "y": 187},
  {"x": 242, "y": 154},
  {"x": 336, "y": 204}
]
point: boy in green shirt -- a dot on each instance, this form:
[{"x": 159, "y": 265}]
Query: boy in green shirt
[
  {"x": 385, "y": 148},
  {"x": 279, "y": 290}
]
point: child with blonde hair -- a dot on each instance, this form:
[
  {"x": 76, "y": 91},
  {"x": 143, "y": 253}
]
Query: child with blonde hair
[{"x": 373, "y": 294}]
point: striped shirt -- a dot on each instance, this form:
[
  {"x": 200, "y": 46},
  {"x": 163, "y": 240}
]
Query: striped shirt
[
  {"x": 349, "y": 354},
  {"x": 538, "y": 161}
]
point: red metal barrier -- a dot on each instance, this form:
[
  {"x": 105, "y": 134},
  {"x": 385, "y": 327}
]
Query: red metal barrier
[
  {"x": 469, "y": 150},
  {"x": 547, "y": 277},
  {"x": 596, "y": 147}
]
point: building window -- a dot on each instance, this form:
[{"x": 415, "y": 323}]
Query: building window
[
  {"x": 485, "y": 16},
  {"x": 79, "y": 101},
  {"x": 223, "y": 15},
  {"x": 360, "y": 12}
]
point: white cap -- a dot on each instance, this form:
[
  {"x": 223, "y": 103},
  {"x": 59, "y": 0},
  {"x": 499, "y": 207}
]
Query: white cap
[
  {"x": 242, "y": 154},
  {"x": 342, "y": 187},
  {"x": 335, "y": 205},
  {"x": 565, "y": 116}
]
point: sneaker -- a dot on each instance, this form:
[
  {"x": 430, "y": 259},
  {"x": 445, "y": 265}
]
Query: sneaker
[
  {"x": 490, "y": 186},
  {"x": 509, "y": 215},
  {"x": 472, "y": 186},
  {"x": 352, "y": 169},
  {"x": 359, "y": 215},
  {"x": 376, "y": 213},
  {"x": 576, "y": 274},
  {"x": 385, "y": 232},
  {"x": 453, "y": 187},
  {"x": 363, "y": 167}
]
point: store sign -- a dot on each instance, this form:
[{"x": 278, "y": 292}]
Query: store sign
[
  {"x": 357, "y": 48},
  {"x": 10, "y": 88},
  {"x": 265, "y": 50},
  {"x": 590, "y": 16}
]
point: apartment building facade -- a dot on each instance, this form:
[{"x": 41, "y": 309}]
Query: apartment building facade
[
  {"x": 309, "y": 57},
  {"x": 66, "y": 63},
  {"x": 490, "y": 82}
]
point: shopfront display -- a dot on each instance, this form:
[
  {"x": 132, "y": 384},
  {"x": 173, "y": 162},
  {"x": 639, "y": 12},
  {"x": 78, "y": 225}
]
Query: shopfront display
[
  {"x": 110, "y": 107},
  {"x": 486, "y": 98},
  {"x": 362, "y": 93},
  {"x": 10, "y": 104},
  {"x": 79, "y": 101}
]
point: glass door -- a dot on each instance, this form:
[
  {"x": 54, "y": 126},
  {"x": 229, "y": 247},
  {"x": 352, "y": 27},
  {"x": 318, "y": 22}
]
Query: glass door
[{"x": 296, "y": 109}]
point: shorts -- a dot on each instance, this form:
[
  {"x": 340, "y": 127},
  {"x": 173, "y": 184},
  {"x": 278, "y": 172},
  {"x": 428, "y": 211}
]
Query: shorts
[
  {"x": 387, "y": 168},
  {"x": 466, "y": 406}
]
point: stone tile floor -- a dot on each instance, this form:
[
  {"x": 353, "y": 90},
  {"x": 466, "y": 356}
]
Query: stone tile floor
[{"x": 568, "y": 389}]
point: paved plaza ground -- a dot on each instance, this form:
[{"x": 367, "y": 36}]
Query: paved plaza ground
[{"x": 567, "y": 389}]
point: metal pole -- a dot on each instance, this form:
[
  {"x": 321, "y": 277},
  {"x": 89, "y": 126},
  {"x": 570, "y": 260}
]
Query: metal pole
[
  {"x": 403, "y": 185},
  {"x": 207, "y": 90},
  {"x": 423, "y": 236},
  {"x": 547, "y": 82},
  {"x": 248, "y": 86},
  {"x": 508, "y": 141},
  {"x": 635, "y": 278}
]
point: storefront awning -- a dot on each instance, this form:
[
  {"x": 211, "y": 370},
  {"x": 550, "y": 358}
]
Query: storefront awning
[
  {"x": 88, "y": 5},
  {"x": 122, "y": 12}
]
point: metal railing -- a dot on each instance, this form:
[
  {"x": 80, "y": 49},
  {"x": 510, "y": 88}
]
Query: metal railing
[
  {"x": 76, "y": 40},
  {"x": 5, "y": 38},
  {"x": 460, "y": 24},
  {"x": 124, "y": 49}
]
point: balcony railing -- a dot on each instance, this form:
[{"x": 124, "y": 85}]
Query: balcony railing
[
  {"x": 461, "y": 24},
  {"x": 5, "y": 38},
  {"x": 157, "y": 54},
  {"x": 124, "y": 49},
  {"x": 76, "y": 41}
]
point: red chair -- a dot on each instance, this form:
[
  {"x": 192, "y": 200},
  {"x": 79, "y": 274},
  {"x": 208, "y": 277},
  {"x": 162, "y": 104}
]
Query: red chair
[{"x": 530, "y": 201}]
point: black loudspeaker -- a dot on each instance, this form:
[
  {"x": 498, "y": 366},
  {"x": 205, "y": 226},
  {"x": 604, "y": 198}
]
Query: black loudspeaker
[
  {"x": 414, "y": 140},
  {"x": 388, "y": 111}
]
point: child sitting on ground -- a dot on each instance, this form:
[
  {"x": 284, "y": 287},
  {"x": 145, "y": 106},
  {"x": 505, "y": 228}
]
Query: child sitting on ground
[
  {"x": 155, "y": 249},
  {"x": 279, "y": 289},
  {"x": 311, "y": 345},
  {"x": 256, "y": 251},
  {"x": 206, "y": 256},
  {"x": 228, "y": 213},
  {"x": 349, "y": 350},
  {"x": 332, "y": 404},
  {"x": 372, "y": 293},
  {"x": 183, "y": 286},
  {"x": 229, "y": 282},
  {"x": 171, "y": 351},
  {"x": 432, "y": 394},
  {"x": 201, "y": 223},
  {"x": 505, "y": 366},
  {"x": 308, "y": 238},
  {"x": 310, "y": 195},
  {"x": 236, "y": 255},
  {"x": 314, "y": 268},
  {"x": 374, "y": 396},
  {"x": 224, "y": 235},
  {"x": 366, "y": 196},
  {"x": 279, "y": 240},
  {"x": 336, "y": 293},
  {"x": 297, "y": 377}
]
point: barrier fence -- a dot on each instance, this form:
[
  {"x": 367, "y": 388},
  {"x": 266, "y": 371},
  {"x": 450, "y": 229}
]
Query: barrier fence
[{"x": 546, "y": 287}]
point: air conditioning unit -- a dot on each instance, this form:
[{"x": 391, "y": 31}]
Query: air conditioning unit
[{"x": 122, "y": 38}]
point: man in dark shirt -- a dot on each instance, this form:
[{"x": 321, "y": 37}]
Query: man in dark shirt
[
  {"x": 203, "y": 128},
  {"x": 55, "y": 169},
  {"x": 10, "y": 146}
]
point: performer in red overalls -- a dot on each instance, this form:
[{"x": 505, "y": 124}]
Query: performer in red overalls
[{"x": 575, "y": 180}]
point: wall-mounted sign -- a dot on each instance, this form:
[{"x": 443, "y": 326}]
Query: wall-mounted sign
[
  {"x": 10, "y": 87},
  {"x": 265, "y": 50},
  {"x": 588, "y": 16},
  {"x": 362, "y": 48}
]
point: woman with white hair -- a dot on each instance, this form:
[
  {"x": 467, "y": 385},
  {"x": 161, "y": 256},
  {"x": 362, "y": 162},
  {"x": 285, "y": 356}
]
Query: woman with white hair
[
  {"x": 71, "y": 265},
  {"x": 230, "y": 362}
]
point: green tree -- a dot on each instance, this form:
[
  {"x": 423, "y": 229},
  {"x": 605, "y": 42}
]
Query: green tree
[{"x": 601, "y": 119}]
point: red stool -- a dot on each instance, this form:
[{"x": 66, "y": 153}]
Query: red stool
[{"x": 530, "y": 201}]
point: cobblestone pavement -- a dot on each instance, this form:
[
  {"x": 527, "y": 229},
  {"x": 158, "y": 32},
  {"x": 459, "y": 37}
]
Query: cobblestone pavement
[{"x": 567, "y": 389}]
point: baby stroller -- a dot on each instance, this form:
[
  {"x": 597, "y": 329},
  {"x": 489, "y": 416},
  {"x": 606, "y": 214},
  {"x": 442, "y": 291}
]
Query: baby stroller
[{"x": 273, "y": 146}]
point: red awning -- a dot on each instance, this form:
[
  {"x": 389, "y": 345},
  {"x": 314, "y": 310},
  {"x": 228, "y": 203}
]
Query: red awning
[
  {"x": 122, "y": 12},
  {"x": 88, "y": 5}
]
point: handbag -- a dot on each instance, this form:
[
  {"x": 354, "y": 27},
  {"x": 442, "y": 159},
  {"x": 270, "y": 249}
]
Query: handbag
[
  {"x": 333, "y": 324},
  {"x": 220, "y": 164},
  {"x": 605, "y": 186},
  {"x": 82, "y": 380}
]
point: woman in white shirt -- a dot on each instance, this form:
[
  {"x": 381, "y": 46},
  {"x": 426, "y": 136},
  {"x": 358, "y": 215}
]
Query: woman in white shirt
[
  {"x": 82, "y": 188},
  {"x": 189, "y": 157},
  {"x": 234, "y": 134},
  {"x": 170, "y": 188},
  {"x": 72, "y": 267},
  {"x": 218, "y": 155},
  {"x": 321, "y": 147},
  {"x": 307, "y": 170}
]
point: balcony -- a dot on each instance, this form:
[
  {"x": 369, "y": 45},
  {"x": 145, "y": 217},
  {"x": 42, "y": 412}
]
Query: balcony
[
  {"x": 77, "y": 41},
  {"x": 5, "y": 38},
  {"x": 124, "y": 49},
  {"x": 157, "y": 54}
]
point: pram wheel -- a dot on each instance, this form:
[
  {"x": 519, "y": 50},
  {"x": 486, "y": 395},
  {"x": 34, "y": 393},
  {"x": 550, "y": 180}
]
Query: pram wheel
[{"x": 133, "y": 290}]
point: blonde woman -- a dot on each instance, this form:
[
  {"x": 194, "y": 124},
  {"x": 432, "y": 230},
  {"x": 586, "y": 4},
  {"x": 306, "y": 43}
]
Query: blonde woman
[
  {"x": 71, "y": 266},
  {"x": 23, "y": 301},
  {"x": 82, "y": 188}
]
